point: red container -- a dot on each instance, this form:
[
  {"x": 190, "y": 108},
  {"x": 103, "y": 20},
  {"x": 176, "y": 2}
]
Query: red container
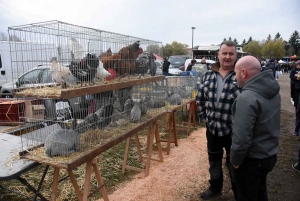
[{"x": 11, "y": 110}]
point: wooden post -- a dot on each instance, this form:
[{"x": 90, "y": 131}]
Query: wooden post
[
  {"x": 75, "y": 185},
  {"x": 55, "y": 184},
  {"x": 87, "y": 181},
  {"x": 100, "y": 181}
]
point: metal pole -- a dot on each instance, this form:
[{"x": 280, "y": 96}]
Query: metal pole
[{"x": 193, "y": 41}]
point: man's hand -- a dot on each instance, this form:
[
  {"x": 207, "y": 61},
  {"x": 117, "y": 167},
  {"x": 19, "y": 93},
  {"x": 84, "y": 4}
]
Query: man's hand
[{"x": 236, "y": 167}]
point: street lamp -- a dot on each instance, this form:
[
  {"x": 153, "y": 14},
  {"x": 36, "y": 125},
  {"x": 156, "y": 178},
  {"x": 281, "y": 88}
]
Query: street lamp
[{"x": 193, "y": 41}]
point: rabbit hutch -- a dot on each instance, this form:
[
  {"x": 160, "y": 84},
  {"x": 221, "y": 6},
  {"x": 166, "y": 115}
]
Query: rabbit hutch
[{"x": 87, "y": 89}]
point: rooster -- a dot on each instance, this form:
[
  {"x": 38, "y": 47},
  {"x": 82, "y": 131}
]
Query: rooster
[
  {"x": 61, "y": 74},
  {"x": 86, "y": 69}
]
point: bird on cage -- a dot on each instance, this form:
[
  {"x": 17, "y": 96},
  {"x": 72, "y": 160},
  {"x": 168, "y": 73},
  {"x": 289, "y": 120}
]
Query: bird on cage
[
  {"x": 123, "y": 95},
  {"x": 143, "y": 106},
  {"x": 108, "y": 53},
  {"x": 127, "y": 56},
  {"x": 145, "y": 62},
  {"x": 61, "y": 74},
  {"x": 86, "y": 69},
  {"x": 173, "y": 98},
  {"x": 104, "y": 74},
  {"x": 128, "y": 105},
  {"x": 148, "y": 101},
  {"x": 135, "y": 113}
]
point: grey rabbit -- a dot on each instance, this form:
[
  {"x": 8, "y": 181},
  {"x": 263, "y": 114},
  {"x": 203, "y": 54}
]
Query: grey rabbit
[{"x": 62, "y": 142}]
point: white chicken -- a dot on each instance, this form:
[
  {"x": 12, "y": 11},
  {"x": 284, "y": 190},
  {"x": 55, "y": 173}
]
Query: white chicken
[
  {"x": 62, "y": 75},
  {"x": 101, "y": 72},
  {"x": 77, "y": 51}
]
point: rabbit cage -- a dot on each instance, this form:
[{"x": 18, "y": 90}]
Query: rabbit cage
[{"x": 95, "y": 87}]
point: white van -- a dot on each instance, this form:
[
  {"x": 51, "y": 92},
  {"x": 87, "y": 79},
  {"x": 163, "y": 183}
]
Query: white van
[{"x": 198, "y": 66}]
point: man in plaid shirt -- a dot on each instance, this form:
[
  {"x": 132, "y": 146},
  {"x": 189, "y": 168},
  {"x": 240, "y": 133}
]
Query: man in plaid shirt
[{"x": 216, "y": 94}]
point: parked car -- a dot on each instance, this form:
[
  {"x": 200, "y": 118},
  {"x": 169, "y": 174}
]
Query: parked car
[
  {"x": 198, "y": 64},
  {"x": 38, "y": 76},
  {"x": 172, "y": 71},
  {"x": 177, "y": 61}
]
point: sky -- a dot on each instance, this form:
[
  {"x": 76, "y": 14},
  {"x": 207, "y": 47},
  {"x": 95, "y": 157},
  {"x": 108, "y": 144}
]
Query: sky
[{"x": 164, "y": 20}]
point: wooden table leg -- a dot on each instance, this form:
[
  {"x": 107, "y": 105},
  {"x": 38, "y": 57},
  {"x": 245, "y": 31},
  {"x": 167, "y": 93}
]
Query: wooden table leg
[
  {"x": 158, "y": 142},
  {"x": 126, "y": 155},
  {"x": 100, "y": 181},
  {"x": 75, "y": 185},
  {"x": 174, "y": 128},
  {"x": 151, "y": 133},
  {"x": 87, "y": 181},
  {"x": 55, "y": 184},
  {"x": 138, "y": 146}
]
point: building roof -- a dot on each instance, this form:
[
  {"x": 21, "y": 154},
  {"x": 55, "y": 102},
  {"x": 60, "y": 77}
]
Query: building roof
[{"x": 216, "y": 48}]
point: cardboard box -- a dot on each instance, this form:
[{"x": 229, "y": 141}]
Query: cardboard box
[{"x": 34, "y": 110}]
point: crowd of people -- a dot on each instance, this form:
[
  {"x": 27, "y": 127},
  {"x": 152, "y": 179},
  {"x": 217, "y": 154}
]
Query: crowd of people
[{"x": 243, "y": 119}]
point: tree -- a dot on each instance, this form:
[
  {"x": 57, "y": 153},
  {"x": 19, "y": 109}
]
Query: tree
[
  {"x": 269, "y": 37},
  {"x": 224, "y": 39},
  {"x": 243, "y": 43},
  {"x": 229, "y": 38},
  {"x": 154, "y": 49},
  {"x": 273, "y": 49},
  {"x": 167, "y": 50},
  {"x": 250, "y": 39},
  {"x": 236, "y": 42},
  {"x": 253, "y": 47},
  {"x": 3, "y": 36},
  {"x": 277, "y": 36},
  {"x": 295, "y": 41}
]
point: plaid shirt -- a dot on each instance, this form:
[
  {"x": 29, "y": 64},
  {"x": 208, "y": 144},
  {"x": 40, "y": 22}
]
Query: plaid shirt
[{"x": 218, "y": 115}]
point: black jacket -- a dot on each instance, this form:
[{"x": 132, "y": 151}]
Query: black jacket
[
  {"x": 292, "y": 75},
  {"x": 272, "y": 67},
  {"x": 166, "y": 65},
  {"x": 189, "y": 67}
]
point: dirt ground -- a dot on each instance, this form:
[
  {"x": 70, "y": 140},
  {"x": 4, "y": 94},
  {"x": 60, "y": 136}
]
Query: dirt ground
[{"x": 184, "y": 173}]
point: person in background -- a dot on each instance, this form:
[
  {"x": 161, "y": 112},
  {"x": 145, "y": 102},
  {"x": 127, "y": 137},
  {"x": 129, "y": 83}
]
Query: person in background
[
  {"x": 256, "y": 129},
  {"x": 278, "y": 69},
  {"x": 189, "y": 67},
  {"x": 271, "y": 65},
  {"x": 214, "y": 99},
  {"x": 295, "y": 94},
  {"x": 262, "y": 65},
  {"x": 166, "y": 66},
  {"x": 293, "y": 79}
]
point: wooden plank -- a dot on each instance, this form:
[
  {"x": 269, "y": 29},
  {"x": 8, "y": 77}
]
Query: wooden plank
[{"x": 82, "y": 91}]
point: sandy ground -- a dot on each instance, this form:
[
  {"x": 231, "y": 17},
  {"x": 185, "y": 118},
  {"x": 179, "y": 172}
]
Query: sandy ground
[{"x": 186, "y": 168}]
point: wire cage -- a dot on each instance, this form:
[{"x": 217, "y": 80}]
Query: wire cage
[
  {"x": 76, "y": 56},
  {"x": 66, "y": 130},
  {"x": 84, "y": 90},
  {"x": 177, "y": 90}
]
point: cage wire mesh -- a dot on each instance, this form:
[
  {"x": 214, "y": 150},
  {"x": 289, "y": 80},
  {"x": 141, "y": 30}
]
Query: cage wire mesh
[
  {"x": 75, "y": 55},
  {"x": 61, "y": 55},
  {"x": 177, "y": 90}
]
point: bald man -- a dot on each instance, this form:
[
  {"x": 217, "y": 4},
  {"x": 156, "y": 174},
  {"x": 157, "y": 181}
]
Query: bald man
[{"x": 256, "y": 129}]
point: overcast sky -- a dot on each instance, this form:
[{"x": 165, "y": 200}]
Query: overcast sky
[{"x": 164, "y": 20}]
